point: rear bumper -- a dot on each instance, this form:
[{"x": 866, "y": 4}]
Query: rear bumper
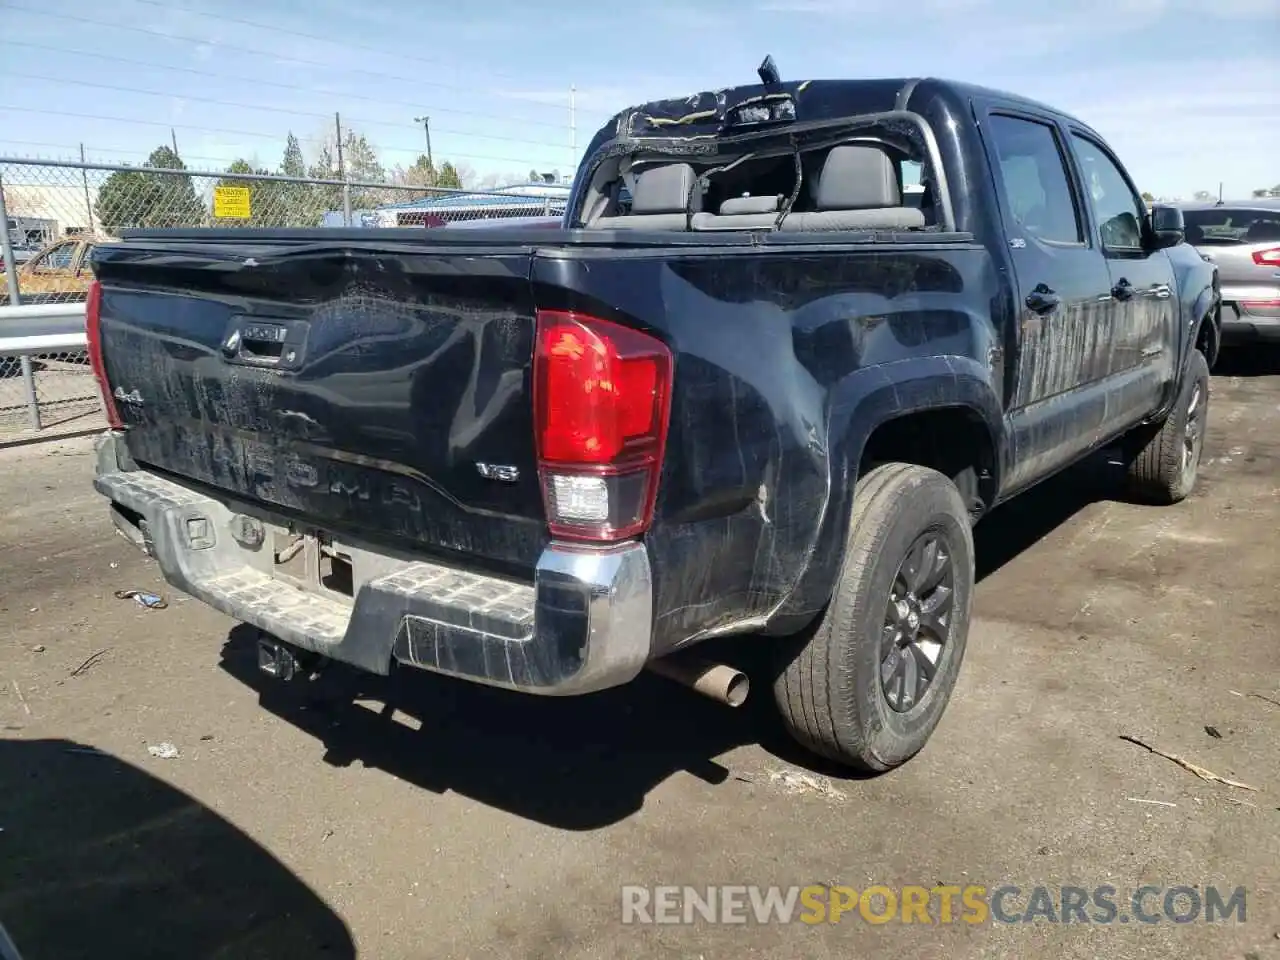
[
  {"x": 584, "y": 624},
  {"x": 1249, "y": 324}
]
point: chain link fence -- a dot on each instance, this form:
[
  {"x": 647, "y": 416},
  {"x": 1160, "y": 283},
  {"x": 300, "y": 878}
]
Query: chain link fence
[
  {"x": 61, "y": 388},
  {"x": 56, "y": 211}
]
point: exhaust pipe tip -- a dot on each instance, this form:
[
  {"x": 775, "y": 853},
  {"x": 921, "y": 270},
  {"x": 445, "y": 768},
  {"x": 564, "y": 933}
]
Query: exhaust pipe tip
[
  {"x": 717, "y": 681},
  {"x": 738, "y": 687}
]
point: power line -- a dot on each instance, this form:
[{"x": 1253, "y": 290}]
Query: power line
[
  {"x": 223, "y": 18},
  {"x": 75, "y": 149},
  {"x": 414, "y": 149},
  {"x": 156, "y": 123},
  {"x": 312, "y": 63},
  {"x": 270, "y": 83},
  {"x": 227, "y": 103}
]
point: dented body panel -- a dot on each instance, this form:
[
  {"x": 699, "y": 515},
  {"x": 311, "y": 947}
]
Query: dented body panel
[
  {"x": 377, "y": 383},
  {"x": 785, "y": 363}
]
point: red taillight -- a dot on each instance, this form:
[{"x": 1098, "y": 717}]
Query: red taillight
[
  {"x": 602, "y": 397},
  {"x": 1267, "y": 258},
  {"x": 93, "y": 334}
]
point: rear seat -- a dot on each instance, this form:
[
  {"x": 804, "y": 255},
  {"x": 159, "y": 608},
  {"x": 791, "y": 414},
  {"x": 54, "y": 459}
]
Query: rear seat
[
  {"x": 856, "y": 190},
  {"x": 657, "y": 200}
]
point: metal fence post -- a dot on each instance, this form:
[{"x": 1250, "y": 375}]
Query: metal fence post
[
  {"x": 6, "y": 248},
  {"x": 15, "y": 297},
  {"x": 29, "y": 386},
  {"x": 84, "y": 178},
  {"x": 346, "y": 204}
]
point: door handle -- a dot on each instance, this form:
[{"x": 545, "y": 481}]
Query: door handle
[
  {"x": 1042, "y": 300},
  {"x": 1162, "y": 291},
  {"x": 1123, "y": 290}
]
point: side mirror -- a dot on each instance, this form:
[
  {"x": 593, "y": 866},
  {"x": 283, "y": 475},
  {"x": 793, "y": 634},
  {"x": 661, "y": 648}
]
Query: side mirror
[{"x": 1167, "y": 227}]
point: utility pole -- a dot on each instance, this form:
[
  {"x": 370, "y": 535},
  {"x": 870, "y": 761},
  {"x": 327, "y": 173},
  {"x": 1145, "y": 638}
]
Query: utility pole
[
  {"x": 342, "y": 173},
  {"x": 337, "y": 126},
  {"x": 173, "y": 137},
  {"x": 426, "y": 129},
  {"x": 84, "y": 175}
]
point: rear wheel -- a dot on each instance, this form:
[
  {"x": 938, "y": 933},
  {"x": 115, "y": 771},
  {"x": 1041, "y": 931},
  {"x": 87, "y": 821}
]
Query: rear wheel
[
  {"x": 869, "y": 683},
  {"x": 1166, "y": 459}
]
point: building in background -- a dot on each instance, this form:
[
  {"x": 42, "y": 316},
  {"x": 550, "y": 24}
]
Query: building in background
[{"x": 55, "y": 210}]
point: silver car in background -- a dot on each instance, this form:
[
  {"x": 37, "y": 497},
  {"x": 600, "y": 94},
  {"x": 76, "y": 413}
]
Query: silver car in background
[{"x": 1243, "y": 239}]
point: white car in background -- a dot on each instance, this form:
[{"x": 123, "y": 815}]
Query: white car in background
[{"x": 1243, "y": 239}]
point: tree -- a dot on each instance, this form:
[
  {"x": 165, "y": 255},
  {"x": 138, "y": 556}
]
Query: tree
[
  {"x": 359, "y": 163},
  {"x": 449, "y": 176},
  {"x": 423, "y": 172},
  {"x": 145, "y": 198},
  {"x": 299, "y": 204},
  {"x": 420, "y": 174},
  {"x": 1148, "y": 196},
  {"x": 362, "y": 164},
  {"x": 1263, "y": 192},
  {"x": 1202, "y": 195},
  {"x": 325, "y": 197},
  {"x": 173, "y": 197},
  {"x": 361, "y": 160},
  {"x": 533, "y": 176},
  {"x": 292, "y": 164}
]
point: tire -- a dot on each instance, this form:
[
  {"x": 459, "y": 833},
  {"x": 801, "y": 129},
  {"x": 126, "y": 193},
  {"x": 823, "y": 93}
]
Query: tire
[
  {"x": 1166, "y": 459},
  {"x": 829, "y": 687}
]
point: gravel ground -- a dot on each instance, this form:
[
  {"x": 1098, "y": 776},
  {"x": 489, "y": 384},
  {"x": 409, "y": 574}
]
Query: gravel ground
[{"x": 420, "y": 817}]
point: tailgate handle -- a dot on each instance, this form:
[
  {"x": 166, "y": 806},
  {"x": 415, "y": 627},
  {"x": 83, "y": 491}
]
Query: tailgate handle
[{"x": 260, "y": 342}]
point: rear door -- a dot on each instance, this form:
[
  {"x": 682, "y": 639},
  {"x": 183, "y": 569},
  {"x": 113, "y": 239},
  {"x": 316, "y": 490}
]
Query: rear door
[
  {"x": 1063, "y": 293},
  {"x": 381, "y": 390},
  {"x": 1146, "y": 338}
]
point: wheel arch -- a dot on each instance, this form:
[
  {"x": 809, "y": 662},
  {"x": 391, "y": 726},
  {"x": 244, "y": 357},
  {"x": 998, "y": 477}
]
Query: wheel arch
[
  {"x": 1204, "y": 325},
  {"x": 912, "y": 406}
]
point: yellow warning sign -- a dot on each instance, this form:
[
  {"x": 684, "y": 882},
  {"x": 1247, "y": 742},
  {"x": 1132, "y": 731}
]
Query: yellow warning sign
[{"x": 231, "y": 203}]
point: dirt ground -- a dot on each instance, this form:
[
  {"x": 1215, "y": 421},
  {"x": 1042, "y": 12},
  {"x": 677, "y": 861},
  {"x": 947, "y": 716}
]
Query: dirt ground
[{"x": 472, "y": 823}]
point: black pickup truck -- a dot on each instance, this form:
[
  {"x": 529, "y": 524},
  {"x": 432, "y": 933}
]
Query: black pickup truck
[{"x": 791, "y": 341}]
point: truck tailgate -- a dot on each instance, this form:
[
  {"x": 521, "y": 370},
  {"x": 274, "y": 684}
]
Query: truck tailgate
[{"x": 382, "y": 391}]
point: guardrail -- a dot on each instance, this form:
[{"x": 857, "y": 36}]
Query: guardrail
[{"x": 52, "y": 331}]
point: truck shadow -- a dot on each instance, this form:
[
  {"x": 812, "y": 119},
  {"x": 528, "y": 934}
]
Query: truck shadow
[
  {"x": 1015, "y": 526},
  {"x": 1254, "y": 360},
  {"x": 584, "y": 762},
  {"x": 101, "y": 859}
]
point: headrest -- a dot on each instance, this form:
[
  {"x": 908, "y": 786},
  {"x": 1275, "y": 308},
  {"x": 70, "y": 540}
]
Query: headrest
[
  {"x": 664, "y": 189},
  {"x": 741, "y": 205},
  {"x": 857, "y": 178}
]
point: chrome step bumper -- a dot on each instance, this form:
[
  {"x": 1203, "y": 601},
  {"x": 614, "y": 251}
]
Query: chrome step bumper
[{"x": 584, "y": 624}]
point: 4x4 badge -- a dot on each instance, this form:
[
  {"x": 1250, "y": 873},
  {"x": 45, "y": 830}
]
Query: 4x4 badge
[{"x": 133, "y": 397}]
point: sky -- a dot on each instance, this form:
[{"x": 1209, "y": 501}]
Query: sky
[{"x": 1186, "y": 91}]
